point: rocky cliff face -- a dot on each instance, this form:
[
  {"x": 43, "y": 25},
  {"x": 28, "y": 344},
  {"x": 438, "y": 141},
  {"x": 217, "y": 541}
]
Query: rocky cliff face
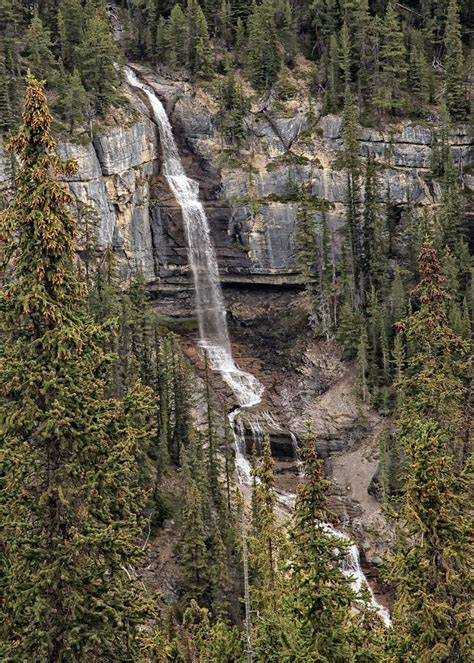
[{"x": 251, "y": 217}]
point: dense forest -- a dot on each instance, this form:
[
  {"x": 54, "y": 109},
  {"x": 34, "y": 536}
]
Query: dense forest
[{"x": 102, "y": 439}]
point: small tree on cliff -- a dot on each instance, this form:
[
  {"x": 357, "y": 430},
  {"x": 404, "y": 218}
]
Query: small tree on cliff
[{"x": 72, "y": 505}]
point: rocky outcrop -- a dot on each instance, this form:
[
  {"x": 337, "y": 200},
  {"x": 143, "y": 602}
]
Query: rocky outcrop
[{"x": 252, "y": 217}]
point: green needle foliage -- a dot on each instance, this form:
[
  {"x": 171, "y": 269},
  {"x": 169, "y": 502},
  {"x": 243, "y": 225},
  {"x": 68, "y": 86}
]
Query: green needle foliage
[
  {"x": 321, "y": 595},
  {"x": 72, "y": 504},
  {"x": 430, "y": 567},
  {"x": 455, "y": 74}
]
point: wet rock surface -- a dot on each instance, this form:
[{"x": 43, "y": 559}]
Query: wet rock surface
[{"x": 305, "y": 379}]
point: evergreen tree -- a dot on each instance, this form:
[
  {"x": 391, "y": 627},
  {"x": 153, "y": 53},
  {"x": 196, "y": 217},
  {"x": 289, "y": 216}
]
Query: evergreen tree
[
  {"x": 286, "y": 26},
  {"x": 176, "y": 37},
  {"x": 352, "y": 166},
  {"x": 321, "y": 596},
  {"x": 11, "y": 83},
  {"x": 430, "y": 567},
  {"x": 393, "y": 65},
  {"x": 95, "y": 61},
  {"x": 73, "y": 101},
  {"x": 6, "y": 115},
  {"x": 350, "y": 316},
  {"x": 454, "y": 67},
  {"x": 161, "y": 45},
  {"x": 224, "y": 23},
  {"x": 144, "y": 17},
  {"x": 357, "y": 18},
  {"x": 325, "y": 15},
  {"x": 398, "y": 304},
  {"x": 193, "y": 547},
  {"x": 264, "y": 524},
  {"x": 241, "y": 10},
  {"x": 198, "y": 43},
  {"x": 362, "y": 364},
  {"x": 418, "y": 76},
  {"x": 70, "y": 23},
  {"x": 240, "y": 42},
  {"x": 346, "y": 61},
  {"x": 263, "y": 59},
  {"x": 234, "y": 107},
  {"x": 451, "y": 214},
  {"x": 373, "y": 258},
  {"x": 38, "y": 51},
  {"x": 264, "y": 549},
  {"x": 72, "y": 505},
  {"x": 305, "y": 243},
  {"x": 202, "y": 641},
  {"x": 332, "y": 98}
]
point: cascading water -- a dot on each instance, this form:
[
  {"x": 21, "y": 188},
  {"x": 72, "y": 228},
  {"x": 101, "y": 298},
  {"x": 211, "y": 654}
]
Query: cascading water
[
  {"x": 352, "y": 568},
  {"x": 351, "y": 565},
  {"x": 214, "y": 335}
]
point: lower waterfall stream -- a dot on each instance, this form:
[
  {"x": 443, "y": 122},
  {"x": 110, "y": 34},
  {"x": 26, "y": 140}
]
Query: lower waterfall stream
[{"x": 211, "y": 312}]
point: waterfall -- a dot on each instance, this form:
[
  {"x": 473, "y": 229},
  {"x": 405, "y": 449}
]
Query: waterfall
[
  {"x": 213, "y": 331},
  {"x": 296, "y": 451},
  {"x": 351, "y": 567},
  {"x": 214, "y": 334}
]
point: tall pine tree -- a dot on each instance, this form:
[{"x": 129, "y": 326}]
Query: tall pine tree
[
  {"x": 72, "y": 503},
  {"x": 430, "y": 566}
]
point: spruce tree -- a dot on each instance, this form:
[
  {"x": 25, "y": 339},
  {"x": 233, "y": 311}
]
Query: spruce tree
[
  {"x": 198, "y": 43},
  {"x": 362, "y": 364},
  {"x": 320, "y": 597},
  {"x": 373, "y": 254},
  {"x": 73, "y": 102},
  {"x": 393, "y": 65},
  {"x": 176, "y": 37},
  {"x": 263, "y": 59},
  {"x": 455, "y": 77},
  {"x": 240, "y": 42},
  {"x": 349, "y": 315},
  {"x": 6, "y": 115},
  {"x": 240, "y": 10},
  {"x": 72, "y": 505},
  {"x": 430, "y": 566},
  {"x": 39, "y": 51},
  {"x": 286, "y": 25},
  {"x": 398, "y": 303},
  {"x": 264, "y": 525},
  {"x": 224, "y": 23},
  {"x": 333, "y": 83},
  {"x": 345, "y": 56},
  {"x": 418, "y": 76},
  {"x": 160, "y": 46},
  {"x": 305, "y": 243},
  {"x": 95, "y": 60},
  {"x": 451, "y": 212},
  {"x": 12, "y": 82},
  {"x": 357, "y": 18},
  {"x": 70, "y": 27},
  {"x": 267, "y": 582},
  {"x": 194, "y": 558},
  {"x": 352, "y": 166}
]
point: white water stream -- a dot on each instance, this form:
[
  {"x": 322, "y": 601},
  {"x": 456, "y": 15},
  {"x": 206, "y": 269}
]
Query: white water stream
[{"x": 214, "y": 335}]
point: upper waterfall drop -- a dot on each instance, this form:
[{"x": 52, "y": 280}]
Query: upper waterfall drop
[{"x": 214, "y": 334}]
